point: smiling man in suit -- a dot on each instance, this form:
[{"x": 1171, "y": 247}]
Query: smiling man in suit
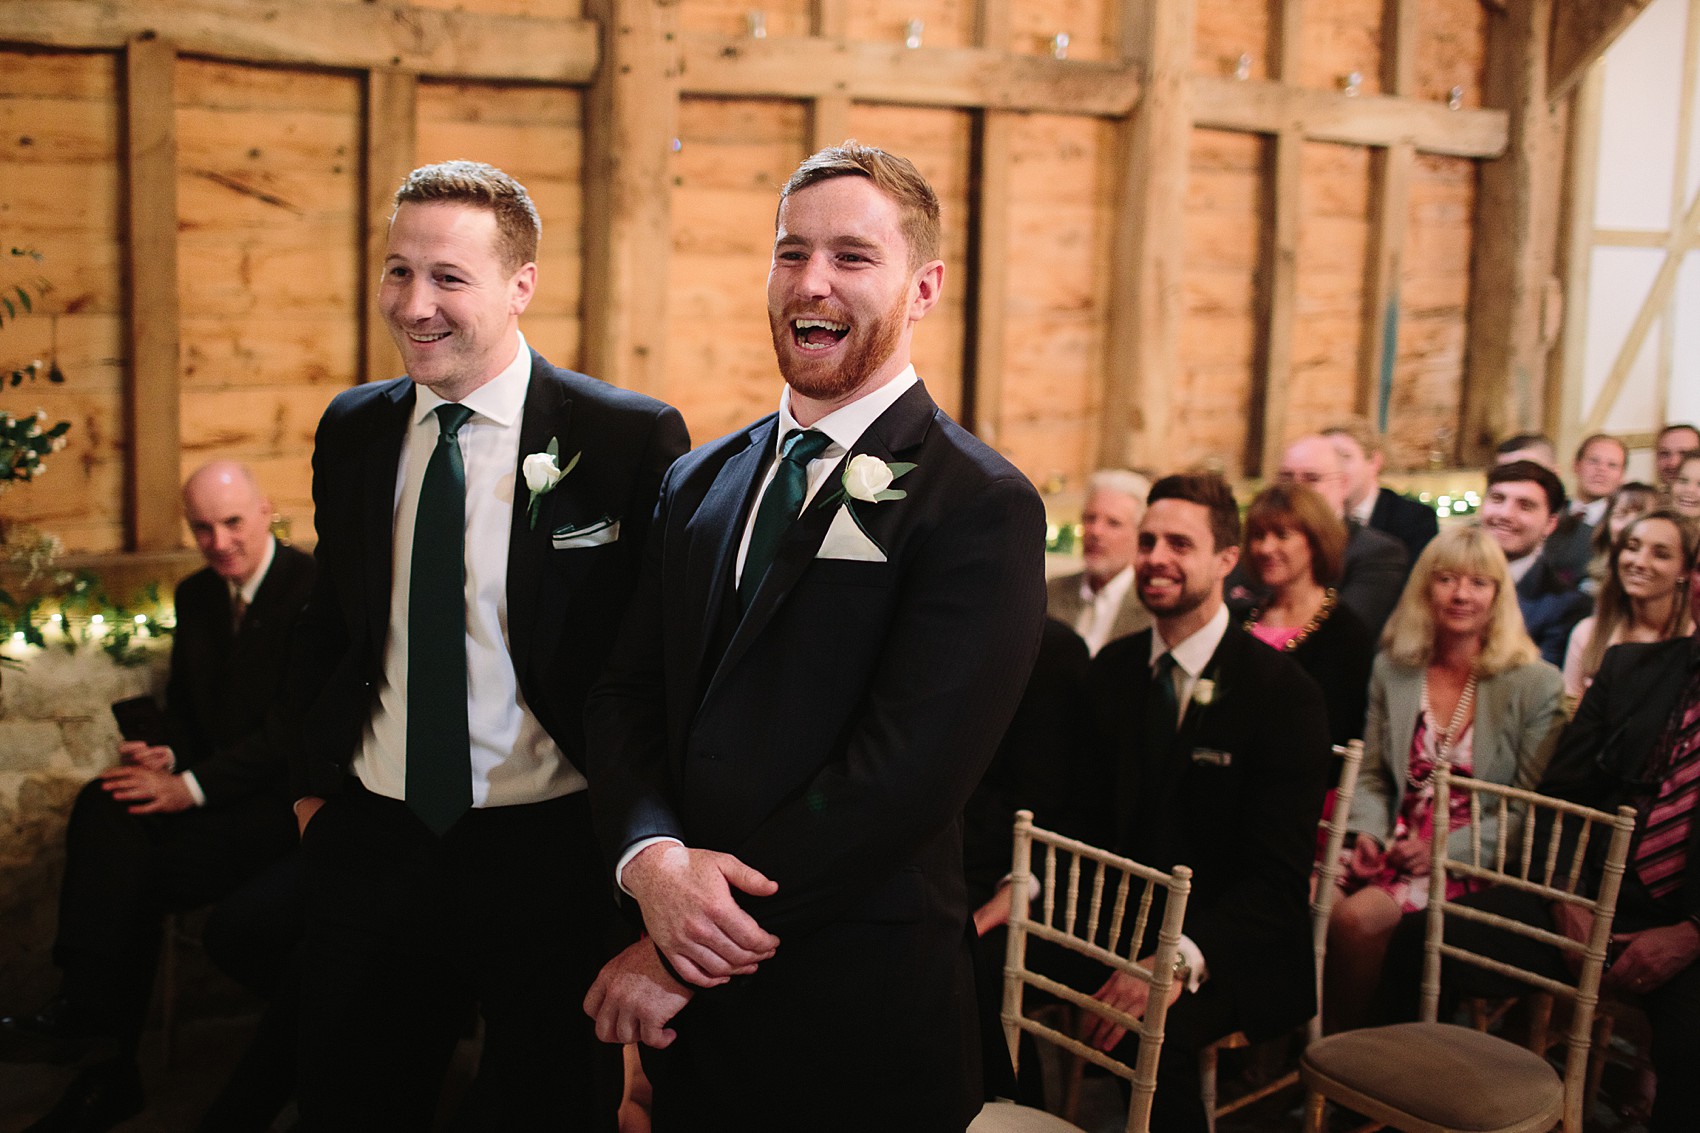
[
  {"x": 480, "y": 526},
  {"x": 1211, "y": 752},
  {"x": 839, "y": 608}
]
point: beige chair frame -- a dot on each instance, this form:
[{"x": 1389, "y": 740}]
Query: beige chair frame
[
  {"x": 1514, "y": 866},
  {"x": 1321, "y": 904},
  {"x": 1073, "y": 915}
]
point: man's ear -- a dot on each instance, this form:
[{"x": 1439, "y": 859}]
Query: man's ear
[
  {"x": 522, "y": 286},
  {"x": 924, "y": 289},
  {"x": 1226, "y": 560}
]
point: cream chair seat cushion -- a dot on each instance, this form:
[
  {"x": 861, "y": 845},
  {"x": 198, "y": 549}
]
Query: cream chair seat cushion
[
  {"x": 1007, "y": 1117},
  {"x": 1451, "y": 1077}
]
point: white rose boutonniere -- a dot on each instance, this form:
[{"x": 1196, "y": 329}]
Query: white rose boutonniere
[
  {"x": 542, "y": 473},
  {"x": 868, "y": 478},
  {"x": 1204, "y": 692}
]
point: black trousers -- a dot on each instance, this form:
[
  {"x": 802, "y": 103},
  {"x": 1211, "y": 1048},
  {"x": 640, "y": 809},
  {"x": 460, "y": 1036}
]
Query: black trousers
[
  {"x": 124, "y": 872},
  {"x": 1673, "y": 1010},
  {"x": 510, "y": 910}
]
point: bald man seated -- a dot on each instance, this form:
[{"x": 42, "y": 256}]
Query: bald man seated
[{"x": 173, "y": 826}]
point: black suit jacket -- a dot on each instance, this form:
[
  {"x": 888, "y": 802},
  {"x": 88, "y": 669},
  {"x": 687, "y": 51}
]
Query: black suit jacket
[
  {"x": 829, "y": 737},
  {"x": 1376, "y": 569},
  {"x": 1551, "y": 608},
  {"x": 1605, "y": 759},
  {"x": 564, "y": 607},
  {"x": 1237, "y": 797},
  {"x": 1411, "y": 522},
  {"x": 224, "y": 684}
]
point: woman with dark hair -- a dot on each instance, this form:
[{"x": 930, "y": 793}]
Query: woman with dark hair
[
  {"x": 1645, "y": 597},
  {"x": 1630, "y": 501},
  {"x": 1685, "y": 489},
  {"x": 1458, "y": 681},
  {"x": 1295, "y": 547}
]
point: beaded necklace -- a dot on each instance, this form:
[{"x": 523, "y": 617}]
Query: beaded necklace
[{"x": 1329, "y": 600}]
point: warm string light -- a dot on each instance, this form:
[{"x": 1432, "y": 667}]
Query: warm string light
[{"x": 127, "y": 635}]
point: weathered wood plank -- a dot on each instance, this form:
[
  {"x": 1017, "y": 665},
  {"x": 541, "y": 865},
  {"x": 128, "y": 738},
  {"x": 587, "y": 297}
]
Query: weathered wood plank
[
  {"x": 1391, "y": 175},
  {"x": 1275, "y": 368},
  {"x": 152, "y": 398},
  {"x": 322, "y": 33},
  {"x": 889, "y": 72},
  {"x": 631, "y": 124},
  {"x": 390, "y": 139},
  {"x": 1581, "y": 32},
  {"x": 988, "y": 268},
  {"x": 1368, "y": 120}
]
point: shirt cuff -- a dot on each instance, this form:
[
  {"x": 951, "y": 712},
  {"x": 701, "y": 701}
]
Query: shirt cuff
[
  {"x": 633, "y": 851},
  {"x": 194, "y": 786},
  {"x": 1197, "y": 972}
]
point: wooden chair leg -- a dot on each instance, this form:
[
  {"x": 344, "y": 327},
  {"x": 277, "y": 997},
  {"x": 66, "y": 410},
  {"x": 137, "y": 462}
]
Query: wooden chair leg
[
  {"x": 1316, "y": 1111},
  {"x": 1597, "y": 1061}
]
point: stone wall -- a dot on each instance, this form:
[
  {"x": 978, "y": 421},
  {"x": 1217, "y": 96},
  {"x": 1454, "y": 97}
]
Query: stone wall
[{"x": 55, "y": 733}]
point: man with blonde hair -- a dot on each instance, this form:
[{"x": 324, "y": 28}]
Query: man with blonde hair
[
  {"x": 1098, "y": 601},
  {"x": 1362, "y": 456}
]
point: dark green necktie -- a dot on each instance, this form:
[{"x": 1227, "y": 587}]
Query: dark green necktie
[
  {"x": 439, "y": 749},
  {"x": 779, "y": 506},
  {"x": 1168, "y": 705}
]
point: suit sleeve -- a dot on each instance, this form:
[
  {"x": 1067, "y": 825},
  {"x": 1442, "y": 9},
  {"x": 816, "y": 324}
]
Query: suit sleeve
[
  {"x": 1376, "y": 580},
  {"x": 958, "y": 653}
]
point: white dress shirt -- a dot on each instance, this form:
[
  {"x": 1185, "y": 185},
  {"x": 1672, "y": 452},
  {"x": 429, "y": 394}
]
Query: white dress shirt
[
  {"x": 245, "y": 592},
  {"x": 1098, "y": 609},
  {"x": 513, "y": 759},
  {"x": 1521, "y": 566},
  {"x": 845, "y": 426},
  {"x": 1191, "y": 656}
]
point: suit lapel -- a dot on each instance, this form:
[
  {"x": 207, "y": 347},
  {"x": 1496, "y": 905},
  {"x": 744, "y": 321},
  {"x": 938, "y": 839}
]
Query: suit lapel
[
  {"x": 717, "y": 528},
  {"x": 548, "y": 412},
  {"x": 382, "y": 467},
  {"x": 900, "y": 428}
]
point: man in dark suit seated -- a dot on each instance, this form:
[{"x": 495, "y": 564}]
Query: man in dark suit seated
[
  {"x": 1635, "y": 741},
  {"x": 1362, "y": 458},
  {"x": 1524, "y": 500},
  {"x": 178, "y": 825},
  {"x": 1376, "y": 563},
  {"x": 1210, "y": 750}
]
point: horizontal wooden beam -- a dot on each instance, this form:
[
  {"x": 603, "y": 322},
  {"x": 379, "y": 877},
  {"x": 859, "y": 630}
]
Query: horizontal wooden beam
[
  {"x": 322, "y": 33},
  {"x": 1263, "y": 107},
  {"x": 740, "y": 67}
]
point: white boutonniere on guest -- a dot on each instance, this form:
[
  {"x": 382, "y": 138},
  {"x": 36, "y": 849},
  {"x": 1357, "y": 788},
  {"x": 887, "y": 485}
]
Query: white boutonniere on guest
[
  {"x": 542, "y": 473},
  {"x": 1204, "y": 692},
  {"x": 867, "y": 479}
]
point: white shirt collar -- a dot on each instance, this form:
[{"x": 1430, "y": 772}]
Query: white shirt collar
[
  {"x": 501, "y": 399},
  {"x": 846, "y": 424},
  {"x": 1195, "y": 652},
  {"x": 1366, "y": 506},
  {"x": 1112, "y": 592},
  {"x": 1521, "y": 566},
  {"x": 252, "y": 587}
]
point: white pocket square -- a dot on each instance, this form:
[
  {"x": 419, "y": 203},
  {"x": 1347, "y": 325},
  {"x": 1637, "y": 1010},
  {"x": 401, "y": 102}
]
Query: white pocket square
[
  {"x": 845, "y": 540},
  {"x": 595, "y": 534}
]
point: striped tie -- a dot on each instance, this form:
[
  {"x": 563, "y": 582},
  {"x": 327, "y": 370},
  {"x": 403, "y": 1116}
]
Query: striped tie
[{"x": 1662, "y": 856}]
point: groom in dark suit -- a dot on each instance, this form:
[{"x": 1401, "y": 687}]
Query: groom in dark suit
[
  {"x": 480, "y": 526},
  {"x": 839, "y": 608},
  {"x": 1212, "y": 752}
]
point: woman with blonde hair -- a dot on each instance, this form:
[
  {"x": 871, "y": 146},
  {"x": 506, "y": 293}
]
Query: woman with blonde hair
[
  {"x": 1457, "y": 680},
  {"x": 1644, "y": 598}
]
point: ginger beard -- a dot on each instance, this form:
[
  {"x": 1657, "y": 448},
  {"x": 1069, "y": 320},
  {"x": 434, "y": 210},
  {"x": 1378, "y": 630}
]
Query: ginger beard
[{"x": 866, "y": 348}]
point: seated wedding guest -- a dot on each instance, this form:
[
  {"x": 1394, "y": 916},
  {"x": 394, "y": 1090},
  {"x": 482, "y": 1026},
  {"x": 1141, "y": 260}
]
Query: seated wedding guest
[
  {"x": 1598, "y": 473},
  {"x": 1630, "y": 501},
  {"x": 1097, "y": 602},
  {"x": 1685, "y": 488},
  {"x": 1524, "y": 501},
  {"x": 1296, "y": 547},
  {"x": 178, "y": 825},
  {"x": 1410, "y": 521},
  {"x": 1674, "y": 444},
  {"x": 1457, "y": 680},
  {"x": 1645, "y": 597},
  {"x": 1635, "y": 741}
]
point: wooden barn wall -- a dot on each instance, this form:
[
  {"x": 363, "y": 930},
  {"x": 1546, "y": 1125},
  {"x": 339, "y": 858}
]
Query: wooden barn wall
[
  {"x": 59, "y": 150},
  {"x": 274, "y": 214}
]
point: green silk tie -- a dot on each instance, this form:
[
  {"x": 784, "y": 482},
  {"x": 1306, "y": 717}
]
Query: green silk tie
[
  {"x": 779, "y": 506},
  {"x": 439, "y": 746}
]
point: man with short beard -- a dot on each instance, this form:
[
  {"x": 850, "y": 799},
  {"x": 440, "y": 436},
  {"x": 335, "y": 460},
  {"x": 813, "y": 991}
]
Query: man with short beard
[{"x": 838, "y": 611}]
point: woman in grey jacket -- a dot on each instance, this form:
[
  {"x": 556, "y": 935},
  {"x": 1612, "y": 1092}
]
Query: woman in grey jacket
[{"x": 1457, "y": 680}]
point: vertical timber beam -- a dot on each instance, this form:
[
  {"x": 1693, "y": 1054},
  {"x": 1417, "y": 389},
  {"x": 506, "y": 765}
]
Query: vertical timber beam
[
  {"x": 988, "y": 264},
  {"x": 391, "y": 145},
  {"x": 1281, "y": 256},
  {"x": 829, "y": 118},
  {"x": 1581, "y": 188},
  {"x": 1390, "y": 204},
  {"x": 1142, "y": 324},
  {"x": 632, "y": 115},
  {"x": 1505, "y": 379},
  {"x": 153, "y": 394}
]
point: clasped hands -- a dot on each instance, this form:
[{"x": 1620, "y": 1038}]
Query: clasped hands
[
  {"x": 692, "y": 919},
  {"x": 144, "y": 780}
]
